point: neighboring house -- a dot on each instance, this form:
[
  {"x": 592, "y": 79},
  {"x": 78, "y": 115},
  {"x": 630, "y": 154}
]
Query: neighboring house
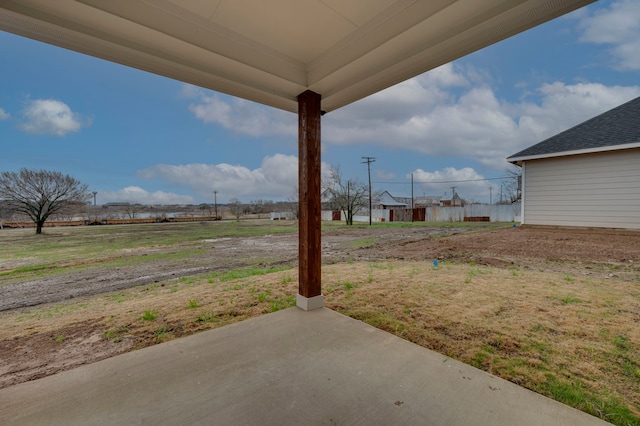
[
  {"x": 421, "y": 201},
  {"x": 586, "y": 176},
  {"x": 387, "y": 201},
  {"x": 454, "y": 201},
  {"x": 427, "y": 201}
]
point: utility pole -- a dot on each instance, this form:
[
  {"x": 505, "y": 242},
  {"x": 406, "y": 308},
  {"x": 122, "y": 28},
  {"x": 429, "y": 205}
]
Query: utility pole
[
  {"x": 411, "y": 197},
  {"x": 348, "y": 203},
  {"x": 490, "y": 193},
  {"x": 215, "y": 203},
  {"x": 369, "y": 160}
]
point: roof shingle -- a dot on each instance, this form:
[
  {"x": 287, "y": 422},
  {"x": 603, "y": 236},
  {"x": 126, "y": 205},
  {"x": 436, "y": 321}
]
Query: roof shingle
[{"x": 618, "y": 126}]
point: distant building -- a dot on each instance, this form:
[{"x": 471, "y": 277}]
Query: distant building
[
  {"x": 116, "y": 204},
  {"x": 454, "y": 201},
  {"x": 427, "y": 201},
  {"x": 386, "y": 201}
]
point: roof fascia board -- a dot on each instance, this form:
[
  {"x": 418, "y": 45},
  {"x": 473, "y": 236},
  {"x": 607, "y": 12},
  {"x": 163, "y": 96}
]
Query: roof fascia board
[{"x": 575, "y": 152}]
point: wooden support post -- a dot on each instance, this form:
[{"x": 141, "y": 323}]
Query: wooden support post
[{"x": 309, "y": 174}]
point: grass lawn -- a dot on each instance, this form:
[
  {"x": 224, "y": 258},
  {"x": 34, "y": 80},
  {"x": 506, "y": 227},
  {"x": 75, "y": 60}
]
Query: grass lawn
[
  {"x": 573, "y": 338},
  {"x": 24, "y": 255}
]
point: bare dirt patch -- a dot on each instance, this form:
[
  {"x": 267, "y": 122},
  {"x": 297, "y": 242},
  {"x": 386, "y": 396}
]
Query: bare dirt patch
[
  {"x": 511, "y": 292},
  {"x": 598, "y": 252},
  {"x": 30, "y": 357}
]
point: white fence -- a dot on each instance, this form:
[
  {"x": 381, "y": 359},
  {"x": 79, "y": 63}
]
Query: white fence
[
  {"x": 494, "y": 212},
  {"x": 378, "y": 215}
]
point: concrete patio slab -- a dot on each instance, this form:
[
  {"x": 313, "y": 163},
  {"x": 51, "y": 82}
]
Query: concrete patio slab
[{"x": 287, "y": 368}]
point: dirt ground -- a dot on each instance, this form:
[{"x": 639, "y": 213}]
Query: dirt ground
[
  {"x": 219, "y": 254},
  {"x": 30, "y": 354},
  {"x": 603, "y": 253}
]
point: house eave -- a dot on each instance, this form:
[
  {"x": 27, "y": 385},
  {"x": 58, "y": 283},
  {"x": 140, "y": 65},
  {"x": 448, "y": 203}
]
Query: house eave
[
  {"x": 272, "y": 51},
  {"x": 519, "y": 159}
]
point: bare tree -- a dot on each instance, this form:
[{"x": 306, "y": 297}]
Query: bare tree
[
  {"x": 5, "y": 212},
  {"x": 511, "y": 185},
  {"x": 131, "y": 210},
  {"x": 93, "y": 215},
  {"x": 350, "y": 197},
  {"x": 236, "y": 208},
  {"x": 41, "y": 193},
  {"x": 256, "y": 206},
  {"x": 204, "y": 207},
  {"x": 292, "y": 203}
]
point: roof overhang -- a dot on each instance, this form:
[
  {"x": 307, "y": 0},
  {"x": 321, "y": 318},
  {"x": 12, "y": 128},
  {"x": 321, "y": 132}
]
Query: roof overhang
[
  {"x": 271, "y": 51},
  {"x": 519, "y": 160}
]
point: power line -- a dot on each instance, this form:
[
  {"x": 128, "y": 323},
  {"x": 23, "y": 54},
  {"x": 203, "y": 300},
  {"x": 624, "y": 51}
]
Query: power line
[{"x": 447, "y": 181}]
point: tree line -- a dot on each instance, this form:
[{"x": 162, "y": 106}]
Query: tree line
[{"x": 41, "y": 194}]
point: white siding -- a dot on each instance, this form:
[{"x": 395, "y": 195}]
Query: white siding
[{"x": 594, "y": 190}]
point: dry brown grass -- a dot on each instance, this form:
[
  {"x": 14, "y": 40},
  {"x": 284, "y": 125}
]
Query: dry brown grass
[
  {"x": 540, "y": 330},
  {"x": 551, "y": 332}
]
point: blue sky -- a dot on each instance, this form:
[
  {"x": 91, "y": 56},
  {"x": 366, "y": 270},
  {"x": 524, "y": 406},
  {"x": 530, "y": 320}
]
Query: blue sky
[{"x": 137, "y": 137}]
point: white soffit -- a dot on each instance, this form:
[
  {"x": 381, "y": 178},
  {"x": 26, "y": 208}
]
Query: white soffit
[{"x": 270, "y": 51}]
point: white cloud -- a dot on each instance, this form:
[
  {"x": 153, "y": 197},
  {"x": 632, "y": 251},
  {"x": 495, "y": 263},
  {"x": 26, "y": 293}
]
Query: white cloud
[
  {"x": 50, "y": 117},
  {"x": 448, "y": 112},
  {"x": 189, "y": 91},
  {"x": 469, "y": 184},
  {"x": 391, "y": 107},
  {"x": 467, "y": 122},
  {"x": 619, "y": 27},
  {"x": 137, "y": 195},
  {"x": 564, "y": 106},
  {"x": 239, "y": 115},
  {"x": 276, "y": 178},
  {"x": 4, "y": 115}
]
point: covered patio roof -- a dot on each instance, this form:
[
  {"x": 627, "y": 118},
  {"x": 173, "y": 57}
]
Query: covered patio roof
[
  {"x": 271, "y": 51},
  {"x": 309, "y": 56}
]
